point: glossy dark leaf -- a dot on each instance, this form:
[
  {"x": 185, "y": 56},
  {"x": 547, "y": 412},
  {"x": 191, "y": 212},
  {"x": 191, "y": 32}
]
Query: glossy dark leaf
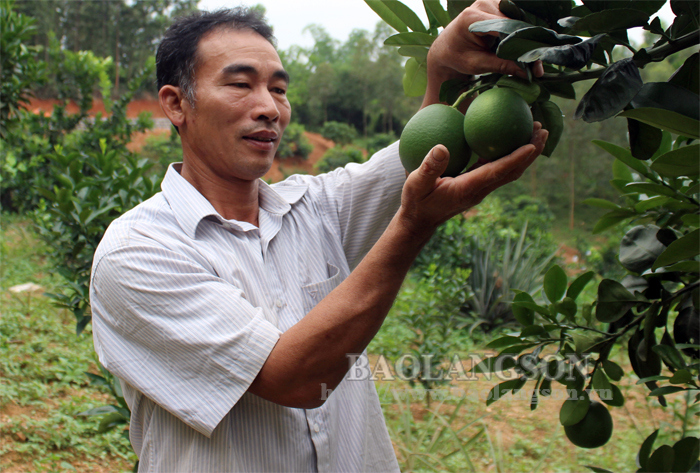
[
  {"x": 688, "y": 75},
  {"x": 613, "y": 396},
  {"x": 504, "y": 27},
  {"x": 502, "y": 389},
  {"x": 679, "y": 162},
  {"x": 511, "y": 10},
  {"x": 611, "y": 219},
  {"x": 668, "y": 96},
  {"x": 524, "y": 315},
  {"x": 573, "y": 56},
  {"x": 667, "y": 120},
  {"x": 548, "y": 10},
  {"x": 573, "y": 411},
  {"x": 450, "y": 90},
  {"x": 560, "y": 89},
  {"x": 524, "y": 40},
  {"x": 645, "y": 449},
  {"x": 613, "y": 90},
  {"x": 613, "y": 370},
  {"x": 685, "y": 453},
  {"x": 686, "y": 247},
  {"x": 597, "y": 469},
  {"x": 386, "y": 14},
  {"x": 579, "y": 284},
  {"x": 552, "y": 119},
  {"x": 555, "y": 282},
  {"x": 613, "y": 301},
  {"x": 685, "y": 7},
  {"x": 610, "y": 20},
  {"x": 640, "y": 247},
  {"x": 661, "y": 461},
  {"x": 644, "y": 139},
  {"x": 418, "y": 52}
]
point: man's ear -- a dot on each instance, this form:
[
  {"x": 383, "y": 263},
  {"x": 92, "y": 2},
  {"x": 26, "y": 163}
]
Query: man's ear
[{"x": 172, "y": 102}]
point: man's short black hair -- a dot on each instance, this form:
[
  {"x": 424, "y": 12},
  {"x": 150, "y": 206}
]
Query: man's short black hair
[{"x": 176, "y": 59}]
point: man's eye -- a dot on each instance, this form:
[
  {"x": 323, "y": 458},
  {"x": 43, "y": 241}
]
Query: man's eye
[
  {"x": 277, "y": 90},
  {"x": 240, "y": 85}
]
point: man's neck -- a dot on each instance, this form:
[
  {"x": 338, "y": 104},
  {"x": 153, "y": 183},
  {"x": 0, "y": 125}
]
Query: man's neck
[{"x": 233, "y": 200}]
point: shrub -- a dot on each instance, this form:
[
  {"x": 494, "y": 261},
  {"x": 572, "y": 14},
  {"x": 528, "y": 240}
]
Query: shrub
[
  {"x": 294, "y": 142},
  {"x": 340, "y": 133},
  {"x": 338, "y": 157}
]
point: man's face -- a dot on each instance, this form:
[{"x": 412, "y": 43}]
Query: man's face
[{"x": 241, "y": 107}]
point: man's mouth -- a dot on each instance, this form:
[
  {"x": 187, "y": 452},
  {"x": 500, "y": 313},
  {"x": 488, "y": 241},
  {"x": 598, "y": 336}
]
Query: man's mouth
[{"x": 264, "y": 140}]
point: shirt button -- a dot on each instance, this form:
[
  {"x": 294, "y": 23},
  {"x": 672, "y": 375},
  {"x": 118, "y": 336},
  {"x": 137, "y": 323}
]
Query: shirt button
[
  {"x": 279, "y": 303},
  {"x": 317, "y": 429}
]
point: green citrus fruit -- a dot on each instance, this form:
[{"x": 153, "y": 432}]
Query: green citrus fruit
[
  {"x": 497, "y": 123},
  {"x": 432, "y": 125},
  {"x": 594, "y": 430}
]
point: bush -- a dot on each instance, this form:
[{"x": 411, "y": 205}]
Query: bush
[
  {"x": 337, "y": 157},
  {"x": 340, "y": 133},
  {"x": 376, "y": 142},
  {"x": 294, "y": 143}
]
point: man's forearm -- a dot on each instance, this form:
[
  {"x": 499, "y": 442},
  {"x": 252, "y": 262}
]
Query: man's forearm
[{"x": 314, "y": 351}]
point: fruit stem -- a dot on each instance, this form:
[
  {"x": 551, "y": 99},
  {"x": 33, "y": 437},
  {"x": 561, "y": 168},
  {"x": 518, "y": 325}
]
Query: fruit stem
[{"x": 469, "y": 92}]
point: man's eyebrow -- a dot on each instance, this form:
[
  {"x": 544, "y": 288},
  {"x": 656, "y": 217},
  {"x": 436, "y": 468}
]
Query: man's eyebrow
[{"x": 248, "y": 69}]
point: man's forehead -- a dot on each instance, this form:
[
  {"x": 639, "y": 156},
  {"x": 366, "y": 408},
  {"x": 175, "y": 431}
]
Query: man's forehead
[{"x": 226, "y": 44}]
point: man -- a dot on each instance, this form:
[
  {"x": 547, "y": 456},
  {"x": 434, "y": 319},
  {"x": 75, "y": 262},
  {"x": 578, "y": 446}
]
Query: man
[{"x": 227, "y": 307}]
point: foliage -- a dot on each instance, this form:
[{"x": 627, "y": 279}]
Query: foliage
[
  {"x": 162, "y": 150},
  {"x": 125, "y": 31},
  {"x": 518, "y": 265},
  {"x": 338, "y": 157},
  {"x": 430, "y": 309},
  {"x": 656, "y": 177},
  {"x": 294, "y": 142},
  {"x": 376, "y": 142},
  {"x": 19, "y": 72},
  {"x": 340, "y": 133}
]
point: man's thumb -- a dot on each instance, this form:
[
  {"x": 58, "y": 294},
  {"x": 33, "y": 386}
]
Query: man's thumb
[{"x": 435, "y": 162}]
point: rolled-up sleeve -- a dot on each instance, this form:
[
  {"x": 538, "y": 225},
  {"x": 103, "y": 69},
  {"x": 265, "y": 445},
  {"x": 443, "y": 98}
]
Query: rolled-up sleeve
[{"x": 185, "y": 338}]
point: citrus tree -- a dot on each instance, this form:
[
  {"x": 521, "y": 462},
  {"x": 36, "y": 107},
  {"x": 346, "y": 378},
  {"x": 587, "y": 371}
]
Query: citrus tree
[{"x": 652, "y": 314}]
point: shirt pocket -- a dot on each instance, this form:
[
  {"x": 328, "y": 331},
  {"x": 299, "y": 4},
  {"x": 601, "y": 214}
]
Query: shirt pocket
[{"x": 313, "y": 293}]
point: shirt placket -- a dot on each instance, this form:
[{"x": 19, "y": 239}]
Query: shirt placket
[{"x": 320, "y": 437}]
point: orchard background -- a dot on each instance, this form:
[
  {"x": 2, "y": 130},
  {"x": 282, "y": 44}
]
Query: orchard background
[{"x": 592, "y": 255}]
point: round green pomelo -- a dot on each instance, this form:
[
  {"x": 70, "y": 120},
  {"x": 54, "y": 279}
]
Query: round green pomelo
[
  {"x": 430, "y": 126},
  {"x": 594, "y": 430},
  {"x": 497, "y": 122}
]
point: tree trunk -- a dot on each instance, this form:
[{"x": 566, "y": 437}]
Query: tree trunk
[{"x": 116, "y": 52}]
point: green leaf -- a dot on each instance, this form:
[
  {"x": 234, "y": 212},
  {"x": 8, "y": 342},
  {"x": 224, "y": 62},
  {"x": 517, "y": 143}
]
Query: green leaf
[
  {"x": 560, "y": 89},
  {"x": 555, "y": 282},
  {"x": 552, "y": 119},
  {"x": 455, "y": 7},
  {"x": 651, "y": 203},
  {"x": 579, "y": 284},
  {"x": 504, "y": 342},
  {"x": 668, "y": 96},
  {"x": 686, "y": 247},
  {"x": 502, "y": 389},
  {"x": 688, "y": 75},
  {"x": 584, "y": 340},
  {"x": 573, "y": 410},
  {"x": 610, "y": 20},
  {"x": 386, "y": 14},
  {"x": 527, "y": 90},
  {"x": 524, "y": 315},
  {"x": 613, "y": 301},
  {"x": 548, "y": 10},
  {"x": 504, "y": 27},
  {"x": 662, "y": 391},
  {"x": 611, "y": 219},
  {"x": 645, "y": 449},
  {"x": 415, "y": 79},
  {"x": 615, "y": 399},
  {"x": 644, "y": 139},
  {"x": 679, "y": 162},
  {"x": 516, "y": 44},
  {"x": 613, "y": 90},
  {"x": 567, "y": 306},
  {"x": 661, "y": 460},
  {"x": 624, "y": 155},
  {"x": 681, "y": 377},
  {"x": 669, "y": 353},
  {"x": 440, "y": 14},
  {"x": 573, "y": 56},
  {"x": 406, "y": 15},
  {"x": 600, "y": 381},
  {"x": 410, "y": 39},
  {"x": 666, "y": 120},
  {"x": 650, "y": 188},
  {"x": 685, "y": 267},
  {"x": 601, "y": 203},
  {"x": 597, "y": 469},
  {"x": 685, "y": 453},
  {"x": 613, "y": 370},
  {"x": 418, "y": 52}
]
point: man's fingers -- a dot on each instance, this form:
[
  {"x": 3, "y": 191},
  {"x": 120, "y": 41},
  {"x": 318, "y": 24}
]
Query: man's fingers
[{"x": 433, "y": 165}]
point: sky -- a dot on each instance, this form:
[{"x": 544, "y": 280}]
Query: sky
[{"x": 338, "y": 17}]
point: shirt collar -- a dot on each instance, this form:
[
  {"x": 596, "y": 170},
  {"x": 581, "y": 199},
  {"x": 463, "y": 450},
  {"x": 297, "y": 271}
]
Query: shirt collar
[{"x": 190, "y": 207}]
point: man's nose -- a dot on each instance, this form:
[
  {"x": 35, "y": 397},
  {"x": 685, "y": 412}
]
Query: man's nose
[{"x": 266, "y": 107}]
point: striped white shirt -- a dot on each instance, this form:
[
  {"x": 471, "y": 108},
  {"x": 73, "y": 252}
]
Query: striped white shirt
[{"x": 188, "y": 305}]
